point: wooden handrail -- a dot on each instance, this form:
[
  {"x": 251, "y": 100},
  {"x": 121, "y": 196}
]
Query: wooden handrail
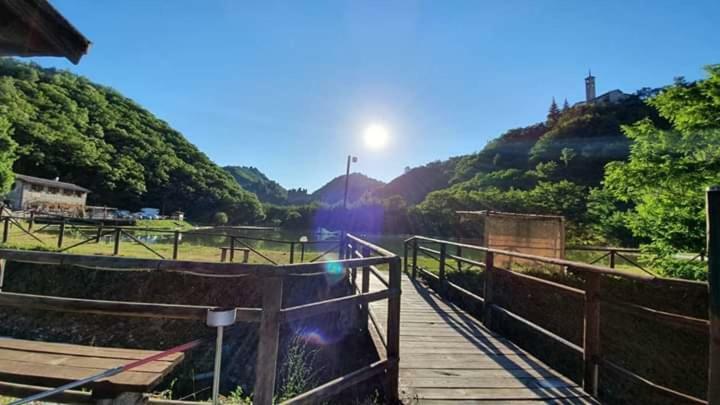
[{"x": 591, "y": 350}]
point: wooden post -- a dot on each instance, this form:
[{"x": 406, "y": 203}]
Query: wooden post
[
  {"x": 99, "y": 233},
  {"x": 365, "y": 288},
  {"x": 712, "y": 203},
  {"x": 458, "y": 253},
  {"x": 223, "y": 254},
  {"x": 246, "y": 255},
  {"x": 269, "y": 335},
  {"x": 32, "y": 221},
  {"x": 176, "y": 243},
  {"x": 6, "y": 230},
  {"x": 591, "y": 334},
  {"x": 612, "y": 258},
  {"x": 3, "y": 262},
  {"x": 341, "y": 249},
  {"x": 302, "y": 252},
  {"x": 405, "y": 257},
  {"x": 488, "y": 289},
  {"x": 61, "y": 235},
  {"x": 393, "y": 331},
  {"x": 441, "y": 270},
  {"x": 292, "y": 252},
  {"x": 116, "y": 248},
  {"x": 414, "y": 259},
  {"x": 232, "y": 249}
]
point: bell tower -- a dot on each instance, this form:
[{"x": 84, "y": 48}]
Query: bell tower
[{"x": 589, "y": 87}]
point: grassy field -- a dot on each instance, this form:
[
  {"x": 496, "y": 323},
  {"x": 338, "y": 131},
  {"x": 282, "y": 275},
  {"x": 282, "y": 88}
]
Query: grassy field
[{"x": 191, "y": 247}]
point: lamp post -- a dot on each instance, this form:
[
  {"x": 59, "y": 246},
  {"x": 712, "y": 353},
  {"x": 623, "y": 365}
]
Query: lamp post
[{"x": 350, "y": 159}]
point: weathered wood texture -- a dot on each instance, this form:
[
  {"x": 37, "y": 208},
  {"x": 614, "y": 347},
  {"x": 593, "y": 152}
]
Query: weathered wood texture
[
  {"x": 448, "y": 356},
  {"x": 54, "y": 364}
]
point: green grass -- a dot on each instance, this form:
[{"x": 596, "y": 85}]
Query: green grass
[{"x": 192, "y": 247}]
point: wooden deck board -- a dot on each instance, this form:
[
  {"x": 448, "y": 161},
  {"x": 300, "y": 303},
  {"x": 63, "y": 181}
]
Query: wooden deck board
[
  {"x": 54, "y": 364},
  {"x": 448, "y": 357}
]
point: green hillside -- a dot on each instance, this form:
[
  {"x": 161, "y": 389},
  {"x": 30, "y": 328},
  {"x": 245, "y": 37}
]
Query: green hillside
[
  {"x": 334, "y": 191},
  {"x": 255, "y": 181},
  {"x": 66, "y": 126}
]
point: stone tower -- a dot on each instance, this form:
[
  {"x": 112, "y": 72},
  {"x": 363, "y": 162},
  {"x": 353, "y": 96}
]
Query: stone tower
[{"x": 589, "y": 87}]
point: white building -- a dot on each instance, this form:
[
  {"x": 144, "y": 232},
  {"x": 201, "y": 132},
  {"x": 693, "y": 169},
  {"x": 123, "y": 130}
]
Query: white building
[
  {"x": 611, "y": 97},
  {"x": 48, "y": 196}
]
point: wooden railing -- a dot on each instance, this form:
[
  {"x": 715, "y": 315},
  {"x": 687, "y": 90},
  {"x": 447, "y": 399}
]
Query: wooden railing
[
  {"x": 591, "y": 295},
  {"x": 270, "y": 316},
  {"x": 297, "y": 250}
]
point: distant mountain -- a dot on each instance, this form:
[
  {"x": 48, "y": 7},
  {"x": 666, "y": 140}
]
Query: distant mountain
[
  {"x": 255, "y": 181},
  {"x": 333, "y": 192},
  {"x": 417, "y": 182}
]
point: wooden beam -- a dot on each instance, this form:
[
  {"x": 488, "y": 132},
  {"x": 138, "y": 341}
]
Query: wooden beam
[
  {"x": 712, "y": 202},
  {"x": 269, "y": 336}
]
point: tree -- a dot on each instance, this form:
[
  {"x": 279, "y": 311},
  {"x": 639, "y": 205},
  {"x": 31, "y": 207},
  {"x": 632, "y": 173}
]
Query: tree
[
  {"x": 566, "y": 105},
  {"x": 7, "y": 156},
  {"x": 669, "y": 169},
  {"x": 566, "y": 155},
  {"x": 553, "y": 113},
  {"x": 220, "y": 218}
]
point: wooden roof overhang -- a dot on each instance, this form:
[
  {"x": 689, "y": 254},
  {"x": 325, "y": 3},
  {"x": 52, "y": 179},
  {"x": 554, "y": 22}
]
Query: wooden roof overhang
[{"x": 35, "y": 28}]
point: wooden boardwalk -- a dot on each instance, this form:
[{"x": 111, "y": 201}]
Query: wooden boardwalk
[{"x": 448, "y": 357}]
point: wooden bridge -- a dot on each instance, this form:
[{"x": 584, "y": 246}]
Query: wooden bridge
[
  {"x": 430, "y": 350},
  {"x": 447, "y": 356}
]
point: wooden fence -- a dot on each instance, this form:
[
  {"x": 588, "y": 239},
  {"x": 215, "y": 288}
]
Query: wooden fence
[
  {"x": 446, "y": 252},
  {"x": 297, "y": 250},
  {"x": 270, "y": 316}
]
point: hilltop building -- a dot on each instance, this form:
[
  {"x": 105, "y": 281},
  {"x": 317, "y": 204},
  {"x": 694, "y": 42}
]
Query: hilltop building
[
  {"x": 47, "y": 196},
  {"x": 611, "y": 97}
]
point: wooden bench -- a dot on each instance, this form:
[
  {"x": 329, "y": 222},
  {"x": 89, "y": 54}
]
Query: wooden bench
[
  {"x": 224, "y": 253},
  {"x": 44, "y": 364}
]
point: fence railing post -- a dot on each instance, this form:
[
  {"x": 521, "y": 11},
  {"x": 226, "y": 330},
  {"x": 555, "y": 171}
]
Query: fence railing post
[
  {"x": 441, "y": 269},
  {"x": 405, "y": 257},
  {"x": 612, "y": 258},
  {"x": 458, "y": 253},
  {"x": 61, "y": 235},
  {"x": 393, "y": 330},
  {"x": 6, "y": 229},
  {"x": 414, "y": 258},
  {"x": 232, "y": 248},
  {"x": 99, "y": 233},
  {"x": 712, "y": 207},
  {"x": 32, "y": 221},
  {"x": 591, "y": 334},
  {"x": 116, "y": 247},
  {"x": 292, "y": 252},
  {"x": 365, "y": 288},
  {"x": 302, "y": 252},
  {"x": 176, "y": 243},
  {"x": 488, "y": 289},
  {"x": 269, "y": 337}
]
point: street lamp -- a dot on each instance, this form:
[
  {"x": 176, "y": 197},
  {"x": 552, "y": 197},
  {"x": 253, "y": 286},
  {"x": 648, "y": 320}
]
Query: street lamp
[{"x": 350, "y": 159}]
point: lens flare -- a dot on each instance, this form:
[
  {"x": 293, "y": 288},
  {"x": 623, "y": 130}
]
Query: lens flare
[{"x": 334, "y": 272}]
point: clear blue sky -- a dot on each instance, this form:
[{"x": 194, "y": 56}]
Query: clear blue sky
[{"x": 288, "y": 86}]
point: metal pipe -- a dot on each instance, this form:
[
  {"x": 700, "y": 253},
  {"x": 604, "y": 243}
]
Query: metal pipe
[{"x": 218, "y": 361}]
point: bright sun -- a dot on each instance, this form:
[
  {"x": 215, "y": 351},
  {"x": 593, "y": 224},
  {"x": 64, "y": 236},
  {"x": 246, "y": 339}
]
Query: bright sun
[{"x": 376, "y": 136}]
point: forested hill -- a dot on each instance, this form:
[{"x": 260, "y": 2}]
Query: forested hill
[
  {"x": 253, "y": 180},
  {"x": 334, "y": 191},
  {"x": 68, "y": 127}
]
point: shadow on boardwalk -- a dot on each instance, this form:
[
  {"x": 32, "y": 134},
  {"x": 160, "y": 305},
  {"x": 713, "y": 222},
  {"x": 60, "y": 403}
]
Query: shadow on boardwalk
[{"x": 447, "y": 356}]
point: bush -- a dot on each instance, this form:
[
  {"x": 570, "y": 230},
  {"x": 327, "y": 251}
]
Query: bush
[{"x": 220, "y": 218}]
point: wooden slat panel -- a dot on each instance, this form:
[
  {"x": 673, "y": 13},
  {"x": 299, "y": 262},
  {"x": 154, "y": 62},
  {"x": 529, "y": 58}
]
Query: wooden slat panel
[
  {"x": 50, "y": 375},
  {"x": 77, "y": 350},
  {"x": 40, "y": 359}
]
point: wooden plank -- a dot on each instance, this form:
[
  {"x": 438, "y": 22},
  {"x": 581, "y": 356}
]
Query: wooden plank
[
  {"x": 78, "y": 350},
  {"x": 545, "y": 394},
  {"x": 40, "y": 359},
  {"x": 508, "y": 381},
  {"x": 269, "y": 336},
  {"x": 52, "y": 375}
]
